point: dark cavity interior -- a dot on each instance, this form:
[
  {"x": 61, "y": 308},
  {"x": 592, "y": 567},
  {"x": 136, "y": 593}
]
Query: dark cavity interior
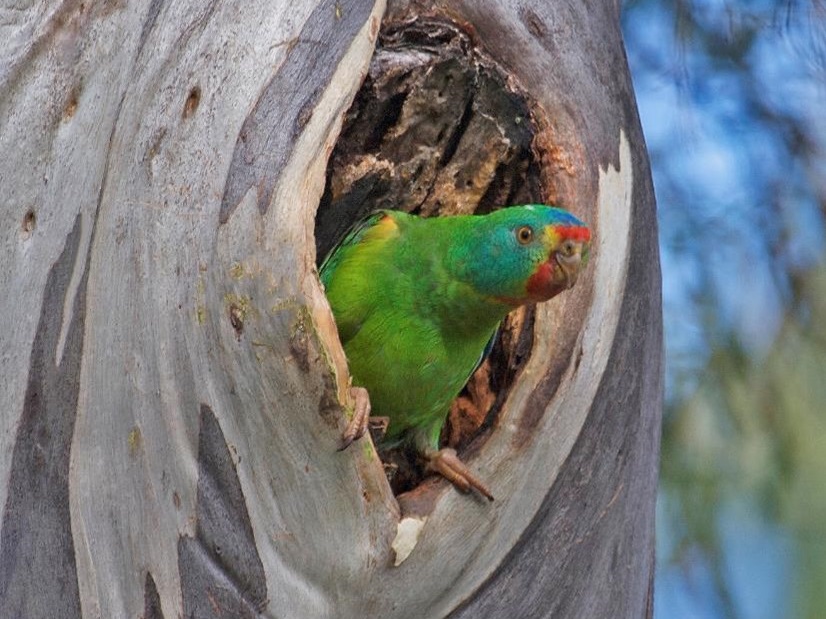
[{"x": 437, "y": 130}]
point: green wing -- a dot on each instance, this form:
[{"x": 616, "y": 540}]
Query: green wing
[
  {"x": 352, "y": 273},
  {"x": 352, "y": 237}
]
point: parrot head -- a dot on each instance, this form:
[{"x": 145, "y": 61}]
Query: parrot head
[{"x": 527, "y": 254}]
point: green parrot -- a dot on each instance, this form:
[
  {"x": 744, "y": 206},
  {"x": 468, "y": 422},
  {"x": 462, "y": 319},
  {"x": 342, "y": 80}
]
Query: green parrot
[{"x": 418, "y": 301}]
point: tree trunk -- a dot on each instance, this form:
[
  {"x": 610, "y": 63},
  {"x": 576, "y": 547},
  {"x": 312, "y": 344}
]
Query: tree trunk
[{"x": 173, "y": 388}]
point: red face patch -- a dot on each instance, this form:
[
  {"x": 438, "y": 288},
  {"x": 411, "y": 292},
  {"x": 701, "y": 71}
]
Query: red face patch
[
  {"x": 541, "y": 284},
  {"x": 575, "y": 233},
  {"x": 548, "y": 280}
]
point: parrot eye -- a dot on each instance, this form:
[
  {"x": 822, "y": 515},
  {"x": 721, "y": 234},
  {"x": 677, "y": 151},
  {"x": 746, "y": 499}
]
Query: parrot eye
[
  {"x": 524, "y": 234},
  {"x": 568, "y": 248}
]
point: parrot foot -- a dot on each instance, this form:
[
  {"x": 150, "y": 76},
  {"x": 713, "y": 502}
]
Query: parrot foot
[
  {"x": 446, "y": 463},
  {"x": 360, "y": 421}
]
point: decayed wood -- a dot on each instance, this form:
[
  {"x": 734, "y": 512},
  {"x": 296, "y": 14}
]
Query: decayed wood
[{"x": 173, "y": 390}]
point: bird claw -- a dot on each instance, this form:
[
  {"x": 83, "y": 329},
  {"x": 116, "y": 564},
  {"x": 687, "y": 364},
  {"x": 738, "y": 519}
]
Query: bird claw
[
  {"x": 446, "y": 463},
  {"x": 359, "y": 422}
]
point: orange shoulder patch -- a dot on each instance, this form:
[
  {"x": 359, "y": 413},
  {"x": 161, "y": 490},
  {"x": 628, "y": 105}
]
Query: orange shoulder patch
[{"x": 385, "y": 228}]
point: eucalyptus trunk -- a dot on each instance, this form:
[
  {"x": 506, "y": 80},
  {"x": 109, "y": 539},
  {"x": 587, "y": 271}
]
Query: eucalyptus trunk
[{"x": 172, "y": 386}]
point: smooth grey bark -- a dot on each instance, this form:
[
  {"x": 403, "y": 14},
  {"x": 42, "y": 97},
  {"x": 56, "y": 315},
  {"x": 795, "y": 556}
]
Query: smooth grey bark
[{"x": 172, "y": 389}]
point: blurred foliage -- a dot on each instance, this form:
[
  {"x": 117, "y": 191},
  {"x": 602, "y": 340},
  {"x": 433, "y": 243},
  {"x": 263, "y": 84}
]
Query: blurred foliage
[
  {"x": 732, "y": 98},
  {"x": 758, "y": 428}
]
